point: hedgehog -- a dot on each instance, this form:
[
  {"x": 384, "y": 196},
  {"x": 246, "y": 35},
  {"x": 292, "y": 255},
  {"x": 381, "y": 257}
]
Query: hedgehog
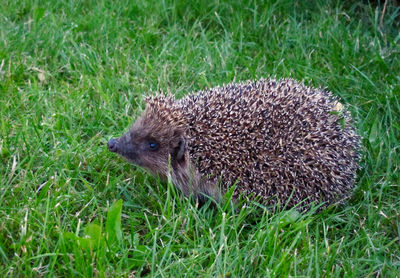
[{"x": 274, "y": 141}]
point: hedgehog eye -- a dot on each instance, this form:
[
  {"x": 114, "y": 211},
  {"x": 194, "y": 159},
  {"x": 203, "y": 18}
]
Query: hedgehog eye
[{"x": 153, "y": 146}]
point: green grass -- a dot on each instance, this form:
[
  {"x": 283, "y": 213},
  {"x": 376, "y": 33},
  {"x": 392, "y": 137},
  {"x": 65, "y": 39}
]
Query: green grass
[{"x": 74, "y": 74}]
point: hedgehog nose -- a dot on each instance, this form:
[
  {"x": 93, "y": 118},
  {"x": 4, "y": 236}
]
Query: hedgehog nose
[{"x": 112, "y": 145}]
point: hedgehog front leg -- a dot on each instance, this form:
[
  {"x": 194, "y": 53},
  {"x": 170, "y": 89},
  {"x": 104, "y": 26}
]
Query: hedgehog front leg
[{"x": 186, "y": 178}]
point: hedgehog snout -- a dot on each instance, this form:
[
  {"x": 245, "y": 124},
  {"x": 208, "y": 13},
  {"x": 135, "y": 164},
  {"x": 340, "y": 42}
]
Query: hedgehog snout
[
  {"x": 124, "y": 147},
  {"x": 112, "y": 145}
]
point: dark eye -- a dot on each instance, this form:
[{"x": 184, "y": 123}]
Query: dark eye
[{"x": 153, "y": 146}]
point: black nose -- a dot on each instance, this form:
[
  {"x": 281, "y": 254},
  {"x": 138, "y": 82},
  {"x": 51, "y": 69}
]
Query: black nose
[{"x": 112, "y": 145}]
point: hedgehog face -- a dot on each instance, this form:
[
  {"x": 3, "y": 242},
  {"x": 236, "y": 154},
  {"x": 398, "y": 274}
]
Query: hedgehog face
[
  {"x": 141, "y": 150},
  {"x": 152, "y": 143}
]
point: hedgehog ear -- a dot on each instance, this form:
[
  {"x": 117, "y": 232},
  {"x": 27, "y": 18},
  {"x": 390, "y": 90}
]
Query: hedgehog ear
[{"x": 179, "y": 150}]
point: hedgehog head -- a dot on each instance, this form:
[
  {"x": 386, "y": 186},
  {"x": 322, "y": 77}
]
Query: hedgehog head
[{"x": 156, "y": 140}]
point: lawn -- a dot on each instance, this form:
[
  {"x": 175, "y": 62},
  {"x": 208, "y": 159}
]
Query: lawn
[{"x": 74, "y": 74}]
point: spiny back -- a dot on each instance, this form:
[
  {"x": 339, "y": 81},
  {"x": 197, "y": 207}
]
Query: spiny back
[{"x": 275, "y": 138}]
